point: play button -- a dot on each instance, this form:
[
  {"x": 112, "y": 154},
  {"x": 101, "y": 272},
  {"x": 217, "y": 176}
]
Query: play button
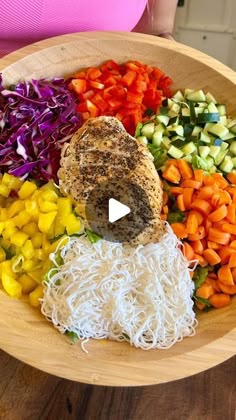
[{"x": 116, "y": 210}]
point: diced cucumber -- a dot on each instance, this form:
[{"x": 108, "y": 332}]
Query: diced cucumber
[
  {"x": 214, "y": 150},
  {"x": 234, "y": 161},
  {"x": 169, "y": 102},
  {"x": 174, "y": 121},
  {"x": 166, "y": 142},
  {"x": 177, "y": 129},
  {"x": 231, "y": 123},
  {"x": 229, "y": 136},
  {"x": 233, "y": 129},
  {"x": 210, "y": 98},
  {"x": 196, "y": 96},
  {"x": 210, "y": 161},
  {"x": 227, "y": 164},
  {"x": 218, "y": 130},
  {"x": 148, "y": 130},
  {"x": 221, "y": 110},
  {"x": 185, "y": 114},
  {"x": 189, "y": 148},
  {"x": 142, "y": 139},
  {"x": 198, "y": 110},
  {"x": 224, "y": 145},
  {"x": 212, "y": 108},
  {"x": 175, "y": 108},
  {"x": 175, "y": 153},
  {"x": 204, "y": 151},
  {"x": 223, "y": 120},
  {"x": 196, "y": 130},
  {"x": 164, "y": 119},
  {"x": 208, "y": 117},
  {"x": 187, "y": 91},
  {"x": 172, "y": 114},
  {"x": 157, "y": 138},
  {"x": 204, "y": 137},
  {"x": 178, "y": 96},
  {"x": 232, "y": 148},
  {"x": 220, "y": 157},
  {"x": 188, "y": 158}
]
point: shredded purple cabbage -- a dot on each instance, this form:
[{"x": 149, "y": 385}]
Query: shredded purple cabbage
[{"x": 36, "y": 118}]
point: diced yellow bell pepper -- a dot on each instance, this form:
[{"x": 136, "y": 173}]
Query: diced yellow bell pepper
[
  {"x": 36, "y": 295},
  {"x": 37, "y": 275},
  {"x": 58, "y": 244},
  {"x": 22, "y": 219},
  {"x": 59, "y": 226},
  {"x": 15, "y": 208},
  {"x": 3, "y": 215},
  {"x": 45, "y": 244},
  {"x": 27, "y": 283},
  {"x": 11, "y": 181},
  {"x": 4, "y": 190},
  {"x": 19, "y": 238},
  {"x": 35, "y": 195},
  {"x": 2, "y": 255},
  {"x": 31, "y": 229},
  {"x": 1, "y": 227},
  {"x": 64, "y": 205},
  {"x": 28, "y": 249},
  {"x": 49, "y": 195},
  {"x": 10, "y": 285},
  {"x": 27, "y": 189},
  {"x": 39, "y": 254},
  {"x": 46, "y": 206},
  {"x": 46, "y": 220},
  {"x": 9, "y": 232},
  {"x": 31, "y": 265},
  {"x": 80, "y": 210},
  {"x": 32, "y": 207},
  {"x": 37, "y": 240},
  {"x": 73, "y": 224},
  {"x": 5, "y": 243}
]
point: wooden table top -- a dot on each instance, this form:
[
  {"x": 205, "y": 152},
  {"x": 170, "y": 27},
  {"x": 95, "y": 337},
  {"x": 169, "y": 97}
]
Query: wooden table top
[{"x": 27, "y": 393}]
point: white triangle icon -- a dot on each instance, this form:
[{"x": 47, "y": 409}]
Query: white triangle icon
[{"x": 116, "y": 210}]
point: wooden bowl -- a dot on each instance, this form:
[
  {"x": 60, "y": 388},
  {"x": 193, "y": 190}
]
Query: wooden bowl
[{"x": 24, "y": 333}]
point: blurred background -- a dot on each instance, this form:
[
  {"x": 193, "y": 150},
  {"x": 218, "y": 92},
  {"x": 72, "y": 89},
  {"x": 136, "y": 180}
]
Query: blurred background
[{"x": 209, "y": 26}]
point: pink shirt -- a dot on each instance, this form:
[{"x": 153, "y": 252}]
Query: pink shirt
[{"x": 26, "y": 21}]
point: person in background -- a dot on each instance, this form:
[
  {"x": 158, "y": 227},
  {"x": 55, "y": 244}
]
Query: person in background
[{"x": 25, "y": 21}]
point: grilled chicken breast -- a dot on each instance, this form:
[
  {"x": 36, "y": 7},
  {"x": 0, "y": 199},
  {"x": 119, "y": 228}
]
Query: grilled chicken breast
[{"x": 101, "y": 151}]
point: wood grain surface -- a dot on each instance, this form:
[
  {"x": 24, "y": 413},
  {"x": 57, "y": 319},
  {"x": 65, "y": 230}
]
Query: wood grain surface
[
  {"x": 23, "y": 331},
  {"x": 28, "y": 394}
]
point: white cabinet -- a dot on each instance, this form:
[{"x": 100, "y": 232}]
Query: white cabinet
[{"x": 209, "y": 26}]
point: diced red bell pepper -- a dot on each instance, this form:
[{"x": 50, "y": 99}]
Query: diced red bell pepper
[{"x": 79, "y": 85}]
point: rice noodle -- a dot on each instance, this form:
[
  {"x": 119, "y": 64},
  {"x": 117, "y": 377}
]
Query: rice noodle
[{"x": 137, "y": 294}]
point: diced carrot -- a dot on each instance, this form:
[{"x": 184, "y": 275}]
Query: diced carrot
[
  {"x": 165, "y": 209},
  {"x": 198, "y": 175},
  {"x": 212, "y": 275},
  {"x": 202, "y": 206},
  {"x": 187, "y": 197},
  {"x": 213, "y": 245},
  {"x": 224, "y": 253},
  {"x": 205, "y": 291},
  {"x": 199, "y": 234},
  {"x": 197, "y": 246},
  {"x": 232, "y": 260},
  {"x": 219, "y": 237},
  {"x": 163, "y": 217},
  {"x": 233, "y": 272},
  {"x": 233, "y": 244},
  {"x": 231, "y": 213},
  {"x": 221, "y": 197},
  {"x": 198, "y": 215},
  {"x": 225, "y": 276},
  {"x": 220, "y": 180},
  {"x": 191, "y": 273},
  {"x": 211, "y": 256},
  {"x": 232, "y": 178},
  {"x": 191, "y": 224},
  {"x": 219, "y": 300},
  {"x": 208, "y": 180},
  {"x": 165, "y": 198},
  {"x": 207, "y": 225},
  {"x": 180, "y": 202},
  {"x": 206, "y": 192},
  {"x": 200, "y": 305},
  {"x": 185, "y": 169},
  {"x": 176, "y": 190},
  {"x": 229, "y": 228},
  {"x": 201, "y": 261},
  {"x": 191, "y": 183},
  {"x": 218, "y": 214},
  {"x": 188, "y": 251},
  {"x": 172, "y": 174},
  {"x": 179, "y": 230},
  {"x": 213, "y": 283},
  {"x": 230, "y": 290}
]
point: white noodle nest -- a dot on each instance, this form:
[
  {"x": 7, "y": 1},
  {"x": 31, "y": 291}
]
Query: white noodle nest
[{"x": 138, "y": 294}]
